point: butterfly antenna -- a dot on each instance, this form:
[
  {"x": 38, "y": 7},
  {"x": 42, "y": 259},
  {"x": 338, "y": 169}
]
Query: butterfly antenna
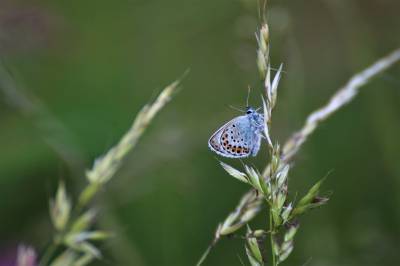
[
  {"x": 237, "y": 109},
  {"x": 248, "y": 96}
]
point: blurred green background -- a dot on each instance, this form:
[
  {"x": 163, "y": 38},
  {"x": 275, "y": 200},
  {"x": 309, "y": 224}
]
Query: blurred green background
[{"x": 94, "y": 64}]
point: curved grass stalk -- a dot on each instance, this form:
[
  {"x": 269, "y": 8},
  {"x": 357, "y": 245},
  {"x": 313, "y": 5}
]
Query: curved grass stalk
[{"x": 72, "y": 228}]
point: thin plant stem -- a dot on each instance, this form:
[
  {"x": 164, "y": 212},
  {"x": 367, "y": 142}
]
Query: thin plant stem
[
  {"x": 271, "y": 235},
  {"x": 205, "y": 254}
]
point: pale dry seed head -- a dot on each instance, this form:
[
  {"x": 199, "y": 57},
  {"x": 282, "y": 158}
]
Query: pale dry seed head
[
  {"x": 253, "y": 252},
  {"x": 290, "y": 233},
  {"x": 84, "y": 260},
  {"x": 87, "y": 248},
  {"x": 267, "y": 84},
  {"x": 274, "y": 86},
  {"x": 262, "y": 66},
  {"x": 252, "y": 245},
  {"x": 254, "y": 177},
  {"x": 282, "y": 176},
  {"x": 105, "y": 167},
  {"x": 252, "y": 260},
  {"x": 235, "y": 173},
  {"x": 248, "y": 207},
  {"x": 264, "y": 35},
  {"x": 68, "y": 257},
  {"x": 86, "y": 236},
  {"x": 83, "y": 221},
  {"x": 60, "y": 208},
  {"x": 285, "y": 253},
  {"x": 286, "y": 212},
  {"x": 267, "y": 119}
]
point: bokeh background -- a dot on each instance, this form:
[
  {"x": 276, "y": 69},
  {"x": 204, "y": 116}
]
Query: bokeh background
[{"x": 92, "y": 65}]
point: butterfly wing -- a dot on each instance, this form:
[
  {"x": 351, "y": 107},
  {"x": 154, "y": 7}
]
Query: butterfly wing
[
  {"x": 235, "y": 139},
  {"x": 257, "y": 126}
]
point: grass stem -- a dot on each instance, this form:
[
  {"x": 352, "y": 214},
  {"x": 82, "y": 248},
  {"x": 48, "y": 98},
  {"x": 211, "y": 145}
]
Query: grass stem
[{"x": 271, "y": 234}]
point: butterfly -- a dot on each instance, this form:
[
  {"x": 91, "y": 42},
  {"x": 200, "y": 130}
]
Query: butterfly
[{"x": 240, "y": 137}]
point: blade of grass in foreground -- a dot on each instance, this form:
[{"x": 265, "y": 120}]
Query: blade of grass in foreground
[{"x": 73, "y": 228}]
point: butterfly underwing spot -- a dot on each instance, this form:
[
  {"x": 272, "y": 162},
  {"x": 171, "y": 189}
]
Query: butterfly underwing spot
[{"x": 235, "y": 145}]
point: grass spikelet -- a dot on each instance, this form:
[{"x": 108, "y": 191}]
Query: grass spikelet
[{"x": 105, "y": 167}]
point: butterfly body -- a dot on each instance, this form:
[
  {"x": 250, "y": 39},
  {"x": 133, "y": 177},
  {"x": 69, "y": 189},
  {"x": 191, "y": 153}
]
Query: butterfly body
[{"x": 240, "y": 137}]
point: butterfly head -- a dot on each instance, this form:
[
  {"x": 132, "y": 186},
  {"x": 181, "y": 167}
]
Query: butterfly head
[{"x": 250, "y": 110}]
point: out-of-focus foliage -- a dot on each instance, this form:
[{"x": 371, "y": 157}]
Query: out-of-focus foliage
[{"x": 93, "y": 64}]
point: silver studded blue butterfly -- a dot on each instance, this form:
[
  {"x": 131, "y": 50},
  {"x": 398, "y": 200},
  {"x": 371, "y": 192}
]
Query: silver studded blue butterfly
[{"x": 240, "y": 137}]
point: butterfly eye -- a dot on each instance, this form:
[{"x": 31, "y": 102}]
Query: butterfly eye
[{"x": 249, "y": 110}]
